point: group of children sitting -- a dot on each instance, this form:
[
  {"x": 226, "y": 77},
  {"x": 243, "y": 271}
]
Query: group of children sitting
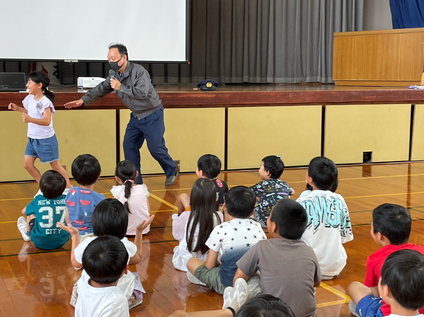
[
  {"x": 98, "y": 228},
  {"x": 222, "y": 242}
]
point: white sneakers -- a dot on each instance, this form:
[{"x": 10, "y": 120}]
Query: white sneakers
[
  {"x": 22, "y": 226},
  {"x": 237, "y": 296}
]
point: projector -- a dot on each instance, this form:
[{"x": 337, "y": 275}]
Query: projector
[{"x": 88, "y": 82}]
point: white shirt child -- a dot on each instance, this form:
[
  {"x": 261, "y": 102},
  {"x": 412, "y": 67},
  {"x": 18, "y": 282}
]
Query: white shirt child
[
  {"x": 232, "y": 240},
  {"x": 100, "y": 301},
  {"x": 328, "y": 228},
  {"x": 127, "y": 281},
  {"x": 36, "y": 110}
]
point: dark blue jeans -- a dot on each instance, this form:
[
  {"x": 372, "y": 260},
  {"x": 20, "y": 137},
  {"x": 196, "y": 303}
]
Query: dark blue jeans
[{"x": 151, "y": 129}]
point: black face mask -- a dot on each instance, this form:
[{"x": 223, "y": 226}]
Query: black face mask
[{"x": 115, "y": 66}]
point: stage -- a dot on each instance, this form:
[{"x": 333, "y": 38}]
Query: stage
[
  {"x": 239, "y": 123},
  {"x": 188, "y": 95}
]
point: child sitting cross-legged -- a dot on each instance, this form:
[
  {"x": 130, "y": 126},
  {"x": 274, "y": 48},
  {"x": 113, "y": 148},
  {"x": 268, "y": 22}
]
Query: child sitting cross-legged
[
  {"x": 230, "y": 240},
  {"x": 111, "y": 218},
  {"x": 288, "y": 267},
  {"x": 105, "y": 261},
  {"x": 135, "y": 197},
  {"x": 329, "y": 224},
  {"x": 271, "y": 189},
  {"x": 82, "y": 199},
  {"x": 44, "y": 211},
  {"x": 400, "y": 286},
  {"x": 203, "y": 218},
  {"x": 390, "y": 228},
  {"x": 208, "y": 166}
]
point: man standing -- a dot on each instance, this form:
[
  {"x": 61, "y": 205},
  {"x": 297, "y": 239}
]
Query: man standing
[{"x": 132, "y": 84}]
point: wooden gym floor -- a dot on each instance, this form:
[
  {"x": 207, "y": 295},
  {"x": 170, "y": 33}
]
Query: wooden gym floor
[{"x": 38, "y": 283}]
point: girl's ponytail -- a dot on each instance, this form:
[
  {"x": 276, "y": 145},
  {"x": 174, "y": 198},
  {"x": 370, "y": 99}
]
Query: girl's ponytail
[
  {"x": 128, "y": 185},
  {"x": 41, "y": 77},
  {"x": 127, "y": 173},
  {"x": 48, "y": 94}
]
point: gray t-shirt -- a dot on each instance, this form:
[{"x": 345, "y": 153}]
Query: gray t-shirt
[{"x": 289, "y": 269}]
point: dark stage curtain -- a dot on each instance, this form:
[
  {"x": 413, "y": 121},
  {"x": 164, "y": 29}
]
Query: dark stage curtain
[
  {"x": 252, "y": 41},
  {"x": 407, "y": 13}
]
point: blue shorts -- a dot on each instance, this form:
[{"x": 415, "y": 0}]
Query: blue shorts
[
  {"x": 369, "y": 306},
  {"x": 47, "y": 150}
]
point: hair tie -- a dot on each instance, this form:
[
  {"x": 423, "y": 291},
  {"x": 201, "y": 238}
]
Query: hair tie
[
  {"x": 129, "y": 180},
  {"x": 125, "y": 200},
  {"x": 278, "y": 156}
]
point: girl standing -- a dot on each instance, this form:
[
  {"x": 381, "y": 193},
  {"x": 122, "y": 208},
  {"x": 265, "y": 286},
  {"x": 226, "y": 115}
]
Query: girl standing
[{"x": 37, "y": 111}]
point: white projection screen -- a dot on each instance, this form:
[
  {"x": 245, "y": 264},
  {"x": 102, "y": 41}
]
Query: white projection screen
[{"x": 81, "y": 30}]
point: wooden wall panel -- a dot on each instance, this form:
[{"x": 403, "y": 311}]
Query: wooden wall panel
[
  {"x": 292, "y": 132},
  {"x": 189, "y": 134},
  {"x": 383, "y": 130},
  {"x": 77, "y": 131},
  {"x": 380, "y": 58}
]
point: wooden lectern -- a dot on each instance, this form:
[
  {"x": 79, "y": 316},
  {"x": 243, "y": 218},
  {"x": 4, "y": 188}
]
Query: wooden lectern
[{"x": 379, "y": 58}]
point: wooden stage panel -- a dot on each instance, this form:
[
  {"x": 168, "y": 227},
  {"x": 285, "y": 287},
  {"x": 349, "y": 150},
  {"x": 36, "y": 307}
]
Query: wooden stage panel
[
  {"x": 294, "y": 133},
  {"x": 77, "y": 132},
  {"x": 197, "y": 122},
  {"x": 383, "y": 130},
  {"x": 189, "y": 133}
]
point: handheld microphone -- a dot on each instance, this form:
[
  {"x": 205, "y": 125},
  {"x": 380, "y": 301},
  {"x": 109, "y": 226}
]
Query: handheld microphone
[{"x": 112, "y": 74}]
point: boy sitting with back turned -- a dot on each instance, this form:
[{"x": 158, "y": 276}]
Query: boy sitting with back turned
[
  {"x": 105, "y": 261},
  {"x": 230, "y": 239},
  {"x": 271, "y": 189},
  {"x": 208, "y": 166},
  {"x": 390, "y": 228},
  {"x": 328, "y": 217},
  {"x": 82, "y": 199},
  {"x": 43, "y": 213},
  {"x": 288, "y": 267}
]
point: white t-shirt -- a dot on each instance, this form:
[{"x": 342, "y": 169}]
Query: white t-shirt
[
  {"x": 100, "y": 301},
  {"x": 36, "y": 110},
  {"x": 328, "y": 228},
  {"x": 137, "y": 203},
  {"x": 125, "y": 283},
  {"x": 232, "y": 240},
  {"x": 181, "y": 253}
]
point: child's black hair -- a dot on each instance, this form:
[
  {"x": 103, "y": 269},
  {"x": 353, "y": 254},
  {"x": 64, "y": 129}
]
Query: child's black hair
[
  {"x": 240, "y": 202},
  {"x": 324, "y": 173},
  {"x": 110, "y": 218},
  {"x": 86, "y": 169},
  {"x": 403, "y": 273},
  {"x": 210, "y": 165},
  {"x": 290, "y": 218},
  {"x": 392, "y": 221},
  {"x": 265, "y": 305},
  {"x": 274, "y": 165},
  {"x": 126, "y": 172},
  {"x": 42, "y": 78},
  {"x": 104, "y": 259},
  {"x": 203, "y": 212},
  {"x": 52, "y": 184}
]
